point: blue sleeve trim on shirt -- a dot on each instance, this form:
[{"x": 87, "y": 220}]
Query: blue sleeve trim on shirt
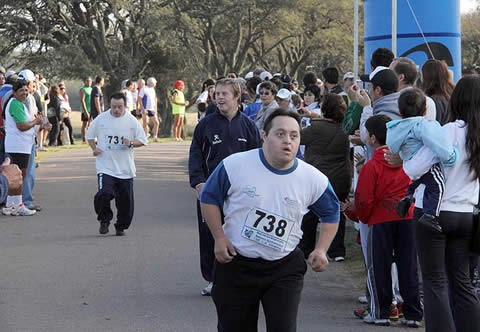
[
  {"x": 327, "y": 207},
  {"x": 216, "y": 188}
]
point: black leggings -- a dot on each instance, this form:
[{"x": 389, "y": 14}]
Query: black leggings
[
  {"x": 53, "y": 134},
  {"x": 67, "y": 124},
  {"x": 451, "y": 303}
]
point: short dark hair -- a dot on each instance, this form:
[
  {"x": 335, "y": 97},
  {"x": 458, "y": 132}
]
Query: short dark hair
[
  {"x": 381, "y": 57},
  {"x": 280, "y": 112},
  {"x": 330, "y": 75},
  {"x": 129, "y": 82},
  {"x": 19, "y": 84},
  {"x": 278, "y": 82},
  {"x": 412, "y": 102},
  {"x": 377, "y": 125},
  {"x": 406, "y": 67},
  {"x": 119, "y": 95},
  {"x": 252, "y": 83},
  {"x": 269, "y": 86},
  {"x": 309, "y": 78},
  {"x": 334, "y": 107},
  {"x": 313, "y": 88},
  {"x": 98, "y": 79}
]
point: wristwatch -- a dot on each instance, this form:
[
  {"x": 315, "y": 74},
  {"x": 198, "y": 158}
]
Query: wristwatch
[{"x": 131, "y": 145}]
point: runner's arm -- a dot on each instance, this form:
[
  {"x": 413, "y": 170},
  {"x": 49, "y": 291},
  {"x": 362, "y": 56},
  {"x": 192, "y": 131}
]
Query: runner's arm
[
  {"x": 82, "y": 101},
  {"x": 97, "y": 104}
]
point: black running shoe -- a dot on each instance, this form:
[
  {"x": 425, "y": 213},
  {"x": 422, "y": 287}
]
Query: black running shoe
[
  {"x": 403, "y": 206},
  {"x": 430, "y": 221},
  {"x": 103, "y": 228}
]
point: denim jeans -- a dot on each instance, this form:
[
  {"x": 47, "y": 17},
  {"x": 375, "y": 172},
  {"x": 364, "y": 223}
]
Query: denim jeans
[{"x": 29, "y": 181}]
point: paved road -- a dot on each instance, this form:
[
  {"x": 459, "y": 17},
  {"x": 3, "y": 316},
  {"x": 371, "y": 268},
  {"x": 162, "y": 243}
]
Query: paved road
[{"x": 58, "y": 274}]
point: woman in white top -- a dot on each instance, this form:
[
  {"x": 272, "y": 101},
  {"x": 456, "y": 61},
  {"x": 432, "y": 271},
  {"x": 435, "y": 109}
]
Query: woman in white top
[
  {"x": 444, "y": 256},
  {"x": 20, "y": 132}
]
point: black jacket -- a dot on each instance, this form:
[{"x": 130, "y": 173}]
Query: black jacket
[{"x": 214, "y": 139}]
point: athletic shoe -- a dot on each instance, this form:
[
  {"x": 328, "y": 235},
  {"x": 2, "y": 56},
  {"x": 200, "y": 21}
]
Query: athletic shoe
[
  {"x": 400, "y": 309},
  {"x": 103, "y": 228},
  {"x": 394, "y": 315},
  {"x": 22, "y": 210},
  {"x": 410, "y": 323},
  {"x": 35, "y": 207},
  {"x": 360, "y": 313},
  {"x": 381, "y": 322},
  {"x": 339, "y": 259},
  {"x": 431, "y": 222},
  {"x": 42, "y": 149},
  {"x": 7, "y": 211},
  {"x": 207, "y": 291},
  {"x": 363, "y": 299}
]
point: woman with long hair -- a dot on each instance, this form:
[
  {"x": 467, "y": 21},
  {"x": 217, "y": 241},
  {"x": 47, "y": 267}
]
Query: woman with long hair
[
  {"x": 437, "y": 83},
  {"x": 451, "y": 303},
  {"x": 328, "y": 149},
  {"x": 53, "y": 114},
  {"x": 178, "y": 109}
]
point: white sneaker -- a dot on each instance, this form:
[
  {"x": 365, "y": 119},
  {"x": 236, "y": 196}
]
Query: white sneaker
[
  {"x": 22, "y": 210},
  {"x": 43, "y": 149},
  {"x": 339, "y": 259},
  {"x": 363, "y": 299},
  {"x": 207, "y": 291},
  {"x": 370, "y": 320},
  {"x": 7, "y": 211}
]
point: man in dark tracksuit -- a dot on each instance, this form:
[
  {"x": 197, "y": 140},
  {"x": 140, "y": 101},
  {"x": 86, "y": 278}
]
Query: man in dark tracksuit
[{"x": 218, "y": 135}]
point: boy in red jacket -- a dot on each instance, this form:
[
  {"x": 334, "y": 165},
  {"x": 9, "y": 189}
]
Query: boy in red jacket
[{"x": 390, "y": 237}]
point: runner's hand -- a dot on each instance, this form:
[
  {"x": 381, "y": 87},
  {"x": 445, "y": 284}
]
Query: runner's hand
[
  {"x": 126, "y": 141},
  {"x": 318, "y": 260},
  {"x": 97, "y": 151},
  {"x": 224, "y": 250}
]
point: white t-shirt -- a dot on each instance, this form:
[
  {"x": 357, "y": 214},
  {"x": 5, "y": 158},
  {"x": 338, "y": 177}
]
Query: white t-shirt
[
  {"x": 149, "y": 92},
  {"x": 17, "y": 141},
  {"x": 116, "y": 158},
  {"x": 203, "y": 97},
  {"x": 264, "y": 207},
  {"x": 461, "y": 186}
]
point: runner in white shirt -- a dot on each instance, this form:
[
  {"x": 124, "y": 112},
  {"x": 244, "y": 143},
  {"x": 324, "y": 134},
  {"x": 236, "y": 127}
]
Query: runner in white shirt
[
  {"x": 150, "y": 107},
  {"x": 117, "y": 133},
  {"x": 264, "y": 194}
]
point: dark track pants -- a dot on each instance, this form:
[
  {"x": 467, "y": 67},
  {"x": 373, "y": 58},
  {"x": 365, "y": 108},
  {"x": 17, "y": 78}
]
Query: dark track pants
[
  {"x": 110, "y": 187},
  {"x": 390, "y": 242},
  {"x": 444, "y": 258},
  {"x": 207, "y": 246},
  {"x": 241, "y": 285}
]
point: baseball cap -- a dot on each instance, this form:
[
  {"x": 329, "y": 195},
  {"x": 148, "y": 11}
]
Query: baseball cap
[
  {"x": 249, "y": 75},
  {"x": 265, "y": 75},
  {"x": 9, "y": 73},
  {"x": 382, "y": 77},
  {"x": 284, "y": 94},
  {"x": 26, "y": 75},
  {"x": 348, "y": 75}
]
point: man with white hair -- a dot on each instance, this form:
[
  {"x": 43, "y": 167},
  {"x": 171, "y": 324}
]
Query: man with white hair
[{"x": 149, "y": 107}]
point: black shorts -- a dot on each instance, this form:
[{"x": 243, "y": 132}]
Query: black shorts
[
  {"x": 85, "y": 117},
  {"x": 134, "y": 113},
  {"x": 19, "y": 159},
  {"x": 151, "y": 113}
]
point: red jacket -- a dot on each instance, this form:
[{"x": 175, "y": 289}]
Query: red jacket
[{"x": 380, "y": 186}]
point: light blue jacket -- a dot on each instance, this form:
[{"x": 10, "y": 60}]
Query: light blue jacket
[{"x": 407, "y": 136}]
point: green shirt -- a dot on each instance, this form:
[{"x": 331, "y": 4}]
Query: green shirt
[
  {"x": 17, "y": 111},
  {"x": 88, "y": 92}
]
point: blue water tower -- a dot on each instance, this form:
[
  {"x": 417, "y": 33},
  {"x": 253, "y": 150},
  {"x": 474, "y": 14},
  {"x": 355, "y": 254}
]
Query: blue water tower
[{"x": 434, "y": 21}]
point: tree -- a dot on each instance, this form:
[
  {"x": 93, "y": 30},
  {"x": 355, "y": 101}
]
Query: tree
[{"x": 471, "y": 40}]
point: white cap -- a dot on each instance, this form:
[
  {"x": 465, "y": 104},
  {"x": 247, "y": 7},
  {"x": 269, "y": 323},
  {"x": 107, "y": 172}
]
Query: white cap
[
  {"x": 249, "y": 75},
  {"x": 26, "y": 75},
  {"x": 284, "y": 94},
  {"x": 151, "y": 80},
  {"x": 348, "y": 75},
  {"x": 265, "y": 75},
  {"x": 9, "y": 73}
]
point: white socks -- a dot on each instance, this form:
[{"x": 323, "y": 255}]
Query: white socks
[{"x": 14, "y": 201}]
